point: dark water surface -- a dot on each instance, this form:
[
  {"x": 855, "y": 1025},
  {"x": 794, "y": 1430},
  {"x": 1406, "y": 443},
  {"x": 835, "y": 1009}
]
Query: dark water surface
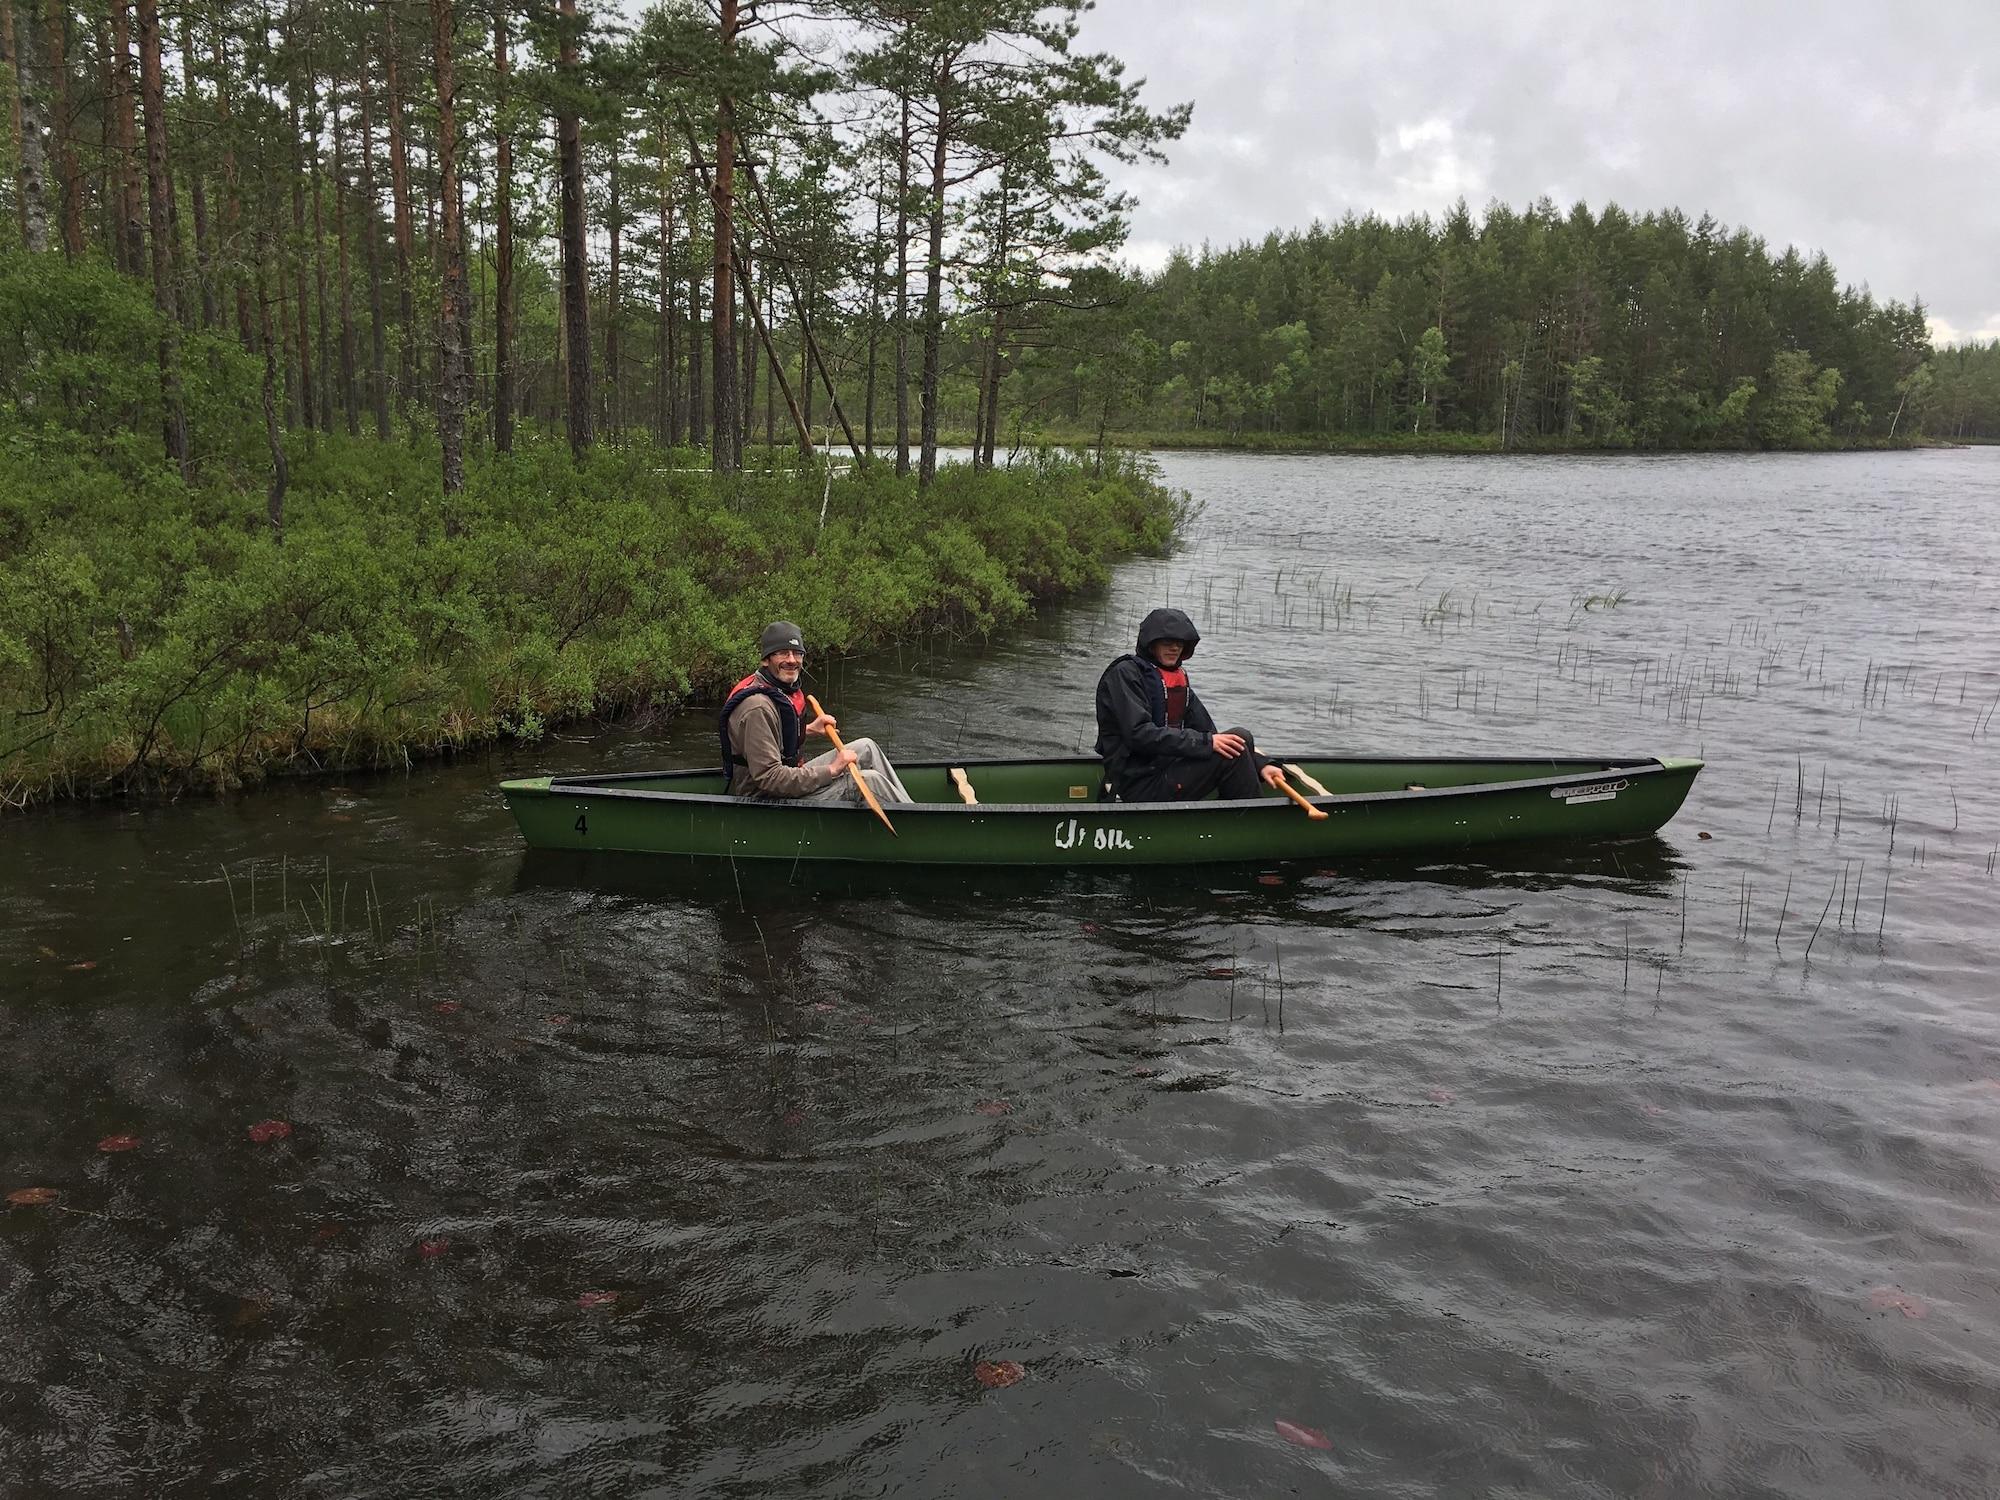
[{"x": 1655, "y": 1170}]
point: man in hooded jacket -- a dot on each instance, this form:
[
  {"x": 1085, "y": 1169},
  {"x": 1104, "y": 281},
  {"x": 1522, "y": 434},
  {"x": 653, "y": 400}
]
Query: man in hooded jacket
[{"x": 1158, "y": 742}]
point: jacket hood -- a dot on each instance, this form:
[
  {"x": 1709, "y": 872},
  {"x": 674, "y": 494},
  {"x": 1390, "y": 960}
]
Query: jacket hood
[{"x": 1167, "y": 625}]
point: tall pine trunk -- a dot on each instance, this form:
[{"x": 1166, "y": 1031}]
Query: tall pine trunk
[
  {"x": 903, "y": 146},
  {"x": 9, "y": 57},
  {"x": 934, "y": 282},
  {"x": 503, "y": 296},
  {"x": 173, "y": 416},
  {"x": 274, "y": 442},
  {"x": 452, "y": 366},
  {"x": 726, "y": 450},
  {"x": 371, "y": 247},
  {"x": 308, "y": 406},
  {"x": 69, "y": 170},
  {"x": 990, "y": 405},
  {"x": 399, "y": 187},
  {"x": 613, "y": 355},
  {"x": 669, "y": 381},
  {"x": 874, "y": 327},
  {"x": 697, "y": 407},
  {"x": 321, "y": 344},
  {"x": 132, "y": 216},
  {"x": 575, "y": 267},
  {"x": 232, "y": 199},
  {"x": 32, "y": 182},
  {"x": 349, "y": 400},
  {"x": 204, "y": 248}
]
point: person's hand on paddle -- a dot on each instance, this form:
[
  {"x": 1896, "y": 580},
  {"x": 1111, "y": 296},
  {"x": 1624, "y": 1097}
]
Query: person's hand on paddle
[
  {"x": 1274, "y": 775},
  {"x": 842, "y": 759},
  {"x": 1228, "y": 746},
  {"x": 825, "y": 724}
]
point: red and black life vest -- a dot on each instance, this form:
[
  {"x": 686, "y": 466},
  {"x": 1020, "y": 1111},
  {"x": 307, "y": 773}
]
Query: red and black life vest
[
  {"x": 1174, "y": 689},
  {"x": 791, "y": 720}
]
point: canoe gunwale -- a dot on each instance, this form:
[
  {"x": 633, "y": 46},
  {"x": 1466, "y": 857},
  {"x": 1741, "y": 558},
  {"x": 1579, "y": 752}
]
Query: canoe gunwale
[{"x": 1588, "y": 769}]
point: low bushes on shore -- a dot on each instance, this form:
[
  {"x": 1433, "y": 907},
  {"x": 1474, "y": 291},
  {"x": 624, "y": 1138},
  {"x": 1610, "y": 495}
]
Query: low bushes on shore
[{"x": 159, "y": 636}]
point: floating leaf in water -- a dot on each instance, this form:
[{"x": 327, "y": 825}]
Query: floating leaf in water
[
  {"x": 1305, "y": 1437},
  {"x": 326, "y": 1232},
  {"x": 557, "y": 1020},
  {"x": 1270, "y": 880},
  {"x": 1704, "y": 834},
  {"x": 1222, "y": 971},
  {"x": 84, "y": 963},
  {"x": 1145, "y": 1072},
  {"x": 588, "y": 1300},
  {"x": 1441, "y": 1096},
  {"x": 993, "y": 1107},
  {"x": 432, "y": 1249},
  {"x": 1886, "y": 1297},
  {"x": 33, "y": 1197},
  {"x": 47, "y": 952},
  {"x": 1651, "y": 1109},
  {"x": 998, "y": 1374},
  {"x": 119, "y": 1143},
  {"x": 1091, "y": 927},
  {"x": 793, "y": 1118},
  {"x": 448, "y": 1007},
  {"x": 823, "y": 1006},
  {"x": 270, "y": 1130}
]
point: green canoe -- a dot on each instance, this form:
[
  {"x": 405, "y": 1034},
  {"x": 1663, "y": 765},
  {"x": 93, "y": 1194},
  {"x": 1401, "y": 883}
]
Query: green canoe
[{"x": 1045, "y": 812}]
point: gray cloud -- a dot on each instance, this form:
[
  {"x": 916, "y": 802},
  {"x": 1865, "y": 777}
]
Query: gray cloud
[{"x": 1867, "y": 131}]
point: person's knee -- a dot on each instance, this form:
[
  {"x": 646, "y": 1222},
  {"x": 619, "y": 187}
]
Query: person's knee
[
  {"x": 1249, "y": 739},
  {"x": 863, "y": 747}
]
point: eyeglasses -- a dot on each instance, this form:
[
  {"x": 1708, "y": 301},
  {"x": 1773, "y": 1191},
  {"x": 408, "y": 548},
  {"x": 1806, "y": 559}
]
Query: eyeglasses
[{"x": 788, "y": 655}]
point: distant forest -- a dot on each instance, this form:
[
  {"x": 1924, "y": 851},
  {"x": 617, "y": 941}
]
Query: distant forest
[{"x": 1536, "y": 329}]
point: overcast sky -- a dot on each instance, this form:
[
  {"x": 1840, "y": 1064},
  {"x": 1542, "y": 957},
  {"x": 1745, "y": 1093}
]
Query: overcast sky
[{"x": 1870, "y": 131}]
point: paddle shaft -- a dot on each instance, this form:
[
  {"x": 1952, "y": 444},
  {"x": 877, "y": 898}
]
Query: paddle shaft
[
  {"x": 867, "y": 792},
  {"x": 1290, "y": 791}
]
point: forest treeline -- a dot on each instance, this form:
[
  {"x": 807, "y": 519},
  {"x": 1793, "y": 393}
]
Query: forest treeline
[
  {"x": 1527, "y": 329},
  {"x": 860, "y": 226},
  {"x": 396, "y": 216}
]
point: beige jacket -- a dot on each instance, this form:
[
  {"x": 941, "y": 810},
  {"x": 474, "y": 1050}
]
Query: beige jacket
[{"x": 759, "y": 737}]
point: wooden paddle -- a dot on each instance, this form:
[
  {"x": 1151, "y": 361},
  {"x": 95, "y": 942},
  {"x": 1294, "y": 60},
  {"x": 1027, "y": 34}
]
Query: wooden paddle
[
  {"x": 867, "y": 792},
  {"x": 1312, "y": 786},
  {"x": 1290, "y": 791}
]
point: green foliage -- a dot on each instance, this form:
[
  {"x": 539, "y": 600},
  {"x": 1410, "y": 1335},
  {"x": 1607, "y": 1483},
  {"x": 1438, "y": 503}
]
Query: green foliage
[
  {"x": 1537, "y": 328},
  {"x": 1793, "y": 411},
  {"x": 153, "y": 634}
]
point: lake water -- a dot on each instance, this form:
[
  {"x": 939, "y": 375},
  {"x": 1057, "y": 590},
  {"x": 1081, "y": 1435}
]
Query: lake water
[{"x": 1653, "y": 1170}]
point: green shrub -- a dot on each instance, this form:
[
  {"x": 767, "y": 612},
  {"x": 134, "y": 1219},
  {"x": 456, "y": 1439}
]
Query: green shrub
[{"x": 156, "y": 634}]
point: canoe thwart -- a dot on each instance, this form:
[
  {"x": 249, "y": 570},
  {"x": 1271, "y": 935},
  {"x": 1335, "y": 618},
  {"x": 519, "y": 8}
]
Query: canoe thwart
[
  {"x": 959, "y": 780},
  {"x": 1297, "y": 773}
]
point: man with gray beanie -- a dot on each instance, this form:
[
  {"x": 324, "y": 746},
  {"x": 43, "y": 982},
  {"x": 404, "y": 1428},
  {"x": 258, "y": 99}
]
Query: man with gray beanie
[{"x": 763, "y": 724}]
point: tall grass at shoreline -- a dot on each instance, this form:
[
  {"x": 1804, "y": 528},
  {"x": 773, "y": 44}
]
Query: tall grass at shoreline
[{"x": 155, "y": 636}]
